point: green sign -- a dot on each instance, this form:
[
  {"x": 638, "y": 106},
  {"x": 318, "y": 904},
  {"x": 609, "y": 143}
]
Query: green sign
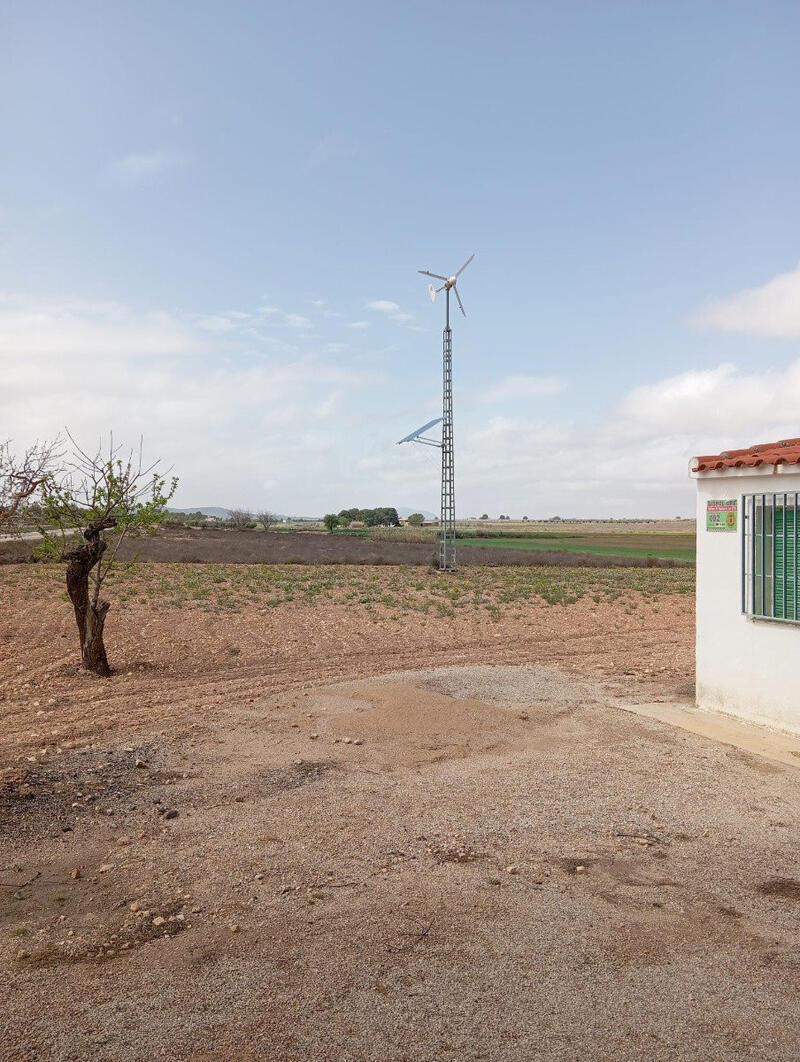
[{"x": 722, "y": 515}]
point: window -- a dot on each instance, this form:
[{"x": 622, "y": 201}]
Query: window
[{"x": 770, "y": 556}]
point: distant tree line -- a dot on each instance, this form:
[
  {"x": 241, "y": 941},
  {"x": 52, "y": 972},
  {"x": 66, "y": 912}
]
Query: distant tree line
[{"x": 385, "y": 517}]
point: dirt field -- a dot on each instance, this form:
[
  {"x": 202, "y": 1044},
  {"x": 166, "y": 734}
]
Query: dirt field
[
  {"x": 258, "y": 547},
  {"x": 371, "y": 814}
]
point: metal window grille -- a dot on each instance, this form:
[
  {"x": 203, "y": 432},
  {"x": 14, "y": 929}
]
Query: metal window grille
[{"x": 770, "y": 556}]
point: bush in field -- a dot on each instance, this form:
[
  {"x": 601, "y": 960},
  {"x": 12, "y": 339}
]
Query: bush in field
[
  {"x": 197, "y": 519},
  {"x": 266, "y": 519},
  {"x": 485, "y": 516},
  {"x": 416, "y": 520},
  {"x": 331, "y": 521},
  {"x": 241, "y": 520},
  {"x": 22, "y": 479}
]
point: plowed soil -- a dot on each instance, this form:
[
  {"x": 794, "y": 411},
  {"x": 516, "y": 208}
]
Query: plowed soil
[
  {"x": 257, "y": 547},
  {"x": 358, "y": 828}
]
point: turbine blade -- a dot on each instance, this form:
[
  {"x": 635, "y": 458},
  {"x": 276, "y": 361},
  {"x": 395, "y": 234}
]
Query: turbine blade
[
  {"x": 427, "y": 273},
  {"x": 461, "y": 270},
  {"x": 460, "y": 303}
]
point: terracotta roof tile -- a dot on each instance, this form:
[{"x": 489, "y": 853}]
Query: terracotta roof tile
[{"x": 784, "y": 452}]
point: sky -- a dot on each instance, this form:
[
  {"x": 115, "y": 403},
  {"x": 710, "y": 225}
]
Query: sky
[{"x": 212, "y": 216}]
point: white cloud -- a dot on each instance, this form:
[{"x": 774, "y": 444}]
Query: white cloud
[
  {"x": 724, "y": 399},
  {"x": 522, "y": 386},
  {"x": 772, "y": 310},
  {"x": 36, "y": 328},
  {"x": 391, "y": 309},
  {"x": 296, "y": 320},
  {"x": 216, "y": 323},
  {"x": 80, "y": 364},
  {"x": 246, "y": 406},
  {"x": 359, "y": 324},
  {"x": 141, "y": 167}
]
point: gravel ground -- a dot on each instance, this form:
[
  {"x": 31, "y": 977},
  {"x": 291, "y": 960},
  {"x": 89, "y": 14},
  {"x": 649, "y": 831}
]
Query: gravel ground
[{"x": 475, "y": 862}]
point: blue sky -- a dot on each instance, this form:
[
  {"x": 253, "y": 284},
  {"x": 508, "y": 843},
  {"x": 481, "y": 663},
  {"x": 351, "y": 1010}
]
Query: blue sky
[{"x": 211, "y": 217}]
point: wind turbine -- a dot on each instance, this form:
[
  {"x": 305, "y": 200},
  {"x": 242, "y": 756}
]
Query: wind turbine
[
  {"x": 448, "y": 286},
  {"x": 447, "y": 523}
]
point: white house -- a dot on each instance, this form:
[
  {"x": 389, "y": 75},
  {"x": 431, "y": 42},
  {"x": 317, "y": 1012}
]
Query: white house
[{"x": 748, "y": 606}]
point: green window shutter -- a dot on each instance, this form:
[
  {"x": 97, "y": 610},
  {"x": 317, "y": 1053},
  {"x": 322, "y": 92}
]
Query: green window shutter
[{"x": 785, "y": 591}]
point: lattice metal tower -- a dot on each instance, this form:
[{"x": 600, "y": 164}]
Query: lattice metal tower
[{"x": 447, "y": 524}]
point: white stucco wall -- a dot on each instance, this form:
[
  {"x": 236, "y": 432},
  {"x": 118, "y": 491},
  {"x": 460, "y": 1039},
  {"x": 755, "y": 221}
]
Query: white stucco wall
[{"x": 747, "y": 668}]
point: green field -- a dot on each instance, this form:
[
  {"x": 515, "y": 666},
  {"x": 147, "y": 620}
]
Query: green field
[{"x": 675, "y": 546}]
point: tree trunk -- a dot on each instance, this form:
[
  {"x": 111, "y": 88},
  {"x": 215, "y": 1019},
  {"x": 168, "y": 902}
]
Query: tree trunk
[{"x": 89, "y": 618}]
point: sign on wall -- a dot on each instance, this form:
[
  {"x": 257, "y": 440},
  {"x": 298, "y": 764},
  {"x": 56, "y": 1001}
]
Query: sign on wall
[{"x": 722, "y": 515}]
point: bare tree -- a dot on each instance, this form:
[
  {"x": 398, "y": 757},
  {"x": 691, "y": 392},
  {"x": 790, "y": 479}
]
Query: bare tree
[
  {"x": 22, "y": 477},
  {"x": 108, "y": 498},
  {"x": 240, "y": 519},
  {"x": 266, "y": 519}
]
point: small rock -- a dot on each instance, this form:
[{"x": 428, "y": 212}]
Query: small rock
[
  {"x": 358, "y": 741},
  {"x": 512, "y": 869},
  {"x": 313, "y": 737},
  {"x": 122, "y": 841},
  {"x": 234, "y": 928},
  {"x": 104, "y": 868},
  {"x": 159, "y": 921},
  {"x": 495, "y": 881},
  {"x": 171, "y": 814},
  {"x": 75, "y": 874},
  {"x": 580, "y": 869},
  {"x": 347, "y": 741},
  {"x": 22, "y": 954},
  {"x": 140, "y": 763},
  {"x": 135, "y": 906}
]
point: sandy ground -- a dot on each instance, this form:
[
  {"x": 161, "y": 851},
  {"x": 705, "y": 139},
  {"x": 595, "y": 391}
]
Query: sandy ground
[{"x": 369, "y": 840}]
